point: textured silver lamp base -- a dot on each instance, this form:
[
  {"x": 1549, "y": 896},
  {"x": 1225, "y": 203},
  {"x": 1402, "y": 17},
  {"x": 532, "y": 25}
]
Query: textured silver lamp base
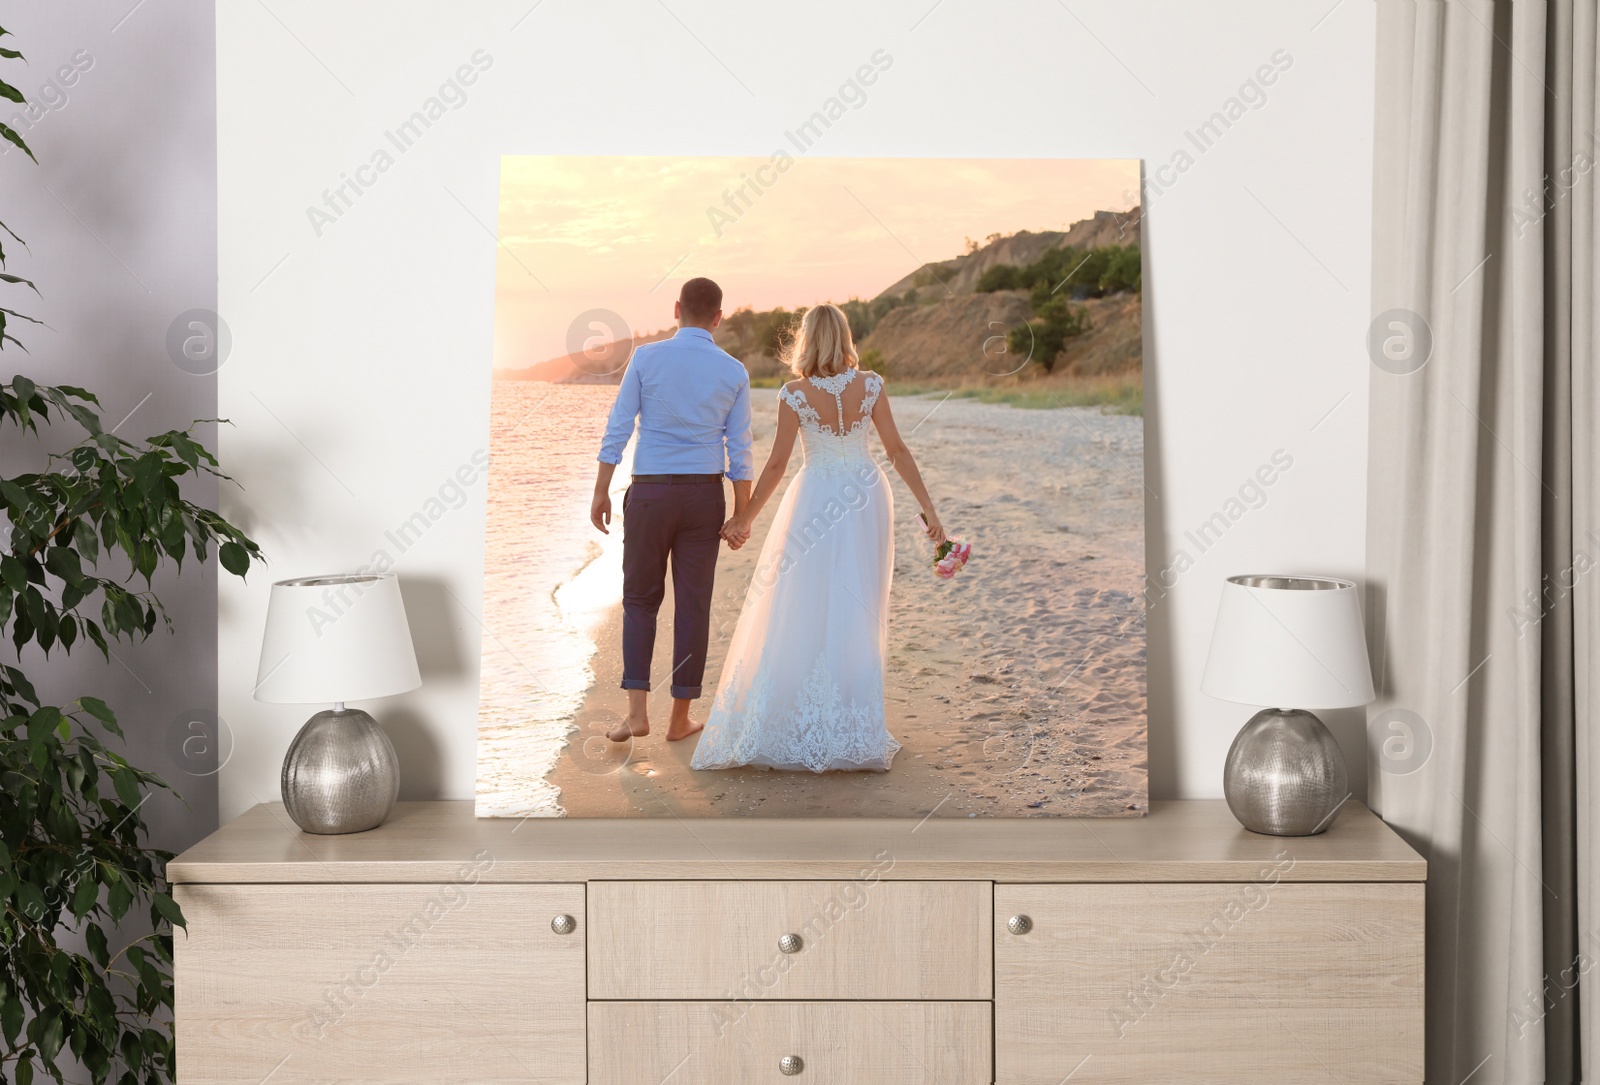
[
  {"x": 1285, "y": 774},
  {"x": 341, "y": 774}
]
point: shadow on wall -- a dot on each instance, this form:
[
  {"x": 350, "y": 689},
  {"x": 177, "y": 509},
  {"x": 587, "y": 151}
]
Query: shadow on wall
[
  {"x": 421, "y": 758},
  {"x": 432, "y": 614},
  {"x": 1162, "y": 726},
  {"x": 120, "y": 216}
]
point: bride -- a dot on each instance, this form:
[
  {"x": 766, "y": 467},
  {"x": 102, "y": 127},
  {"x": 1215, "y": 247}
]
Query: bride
[{"x": 802, "y": 687}]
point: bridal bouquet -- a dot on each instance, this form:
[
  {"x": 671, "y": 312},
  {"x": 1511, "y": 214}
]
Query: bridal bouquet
[{"x": 949, "y": 556}]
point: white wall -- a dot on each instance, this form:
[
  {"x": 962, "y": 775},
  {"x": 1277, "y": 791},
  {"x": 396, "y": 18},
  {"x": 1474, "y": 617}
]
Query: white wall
[
  {"x": 359, "y": 377},
  {"x": 120, "y": 219}
]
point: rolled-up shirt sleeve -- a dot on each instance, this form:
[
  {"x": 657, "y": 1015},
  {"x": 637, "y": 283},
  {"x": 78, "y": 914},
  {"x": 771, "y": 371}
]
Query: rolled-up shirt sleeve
[
  {"x": 741, "y": 467},
  {"x": 619, "y": 427}
]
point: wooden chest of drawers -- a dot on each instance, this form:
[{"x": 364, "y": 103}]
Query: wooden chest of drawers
[{"x": 441, "y": 948}]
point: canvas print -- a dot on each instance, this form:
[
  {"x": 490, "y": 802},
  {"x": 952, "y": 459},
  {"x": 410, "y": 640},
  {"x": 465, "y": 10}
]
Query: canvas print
[{"x": 816, "y": 489}]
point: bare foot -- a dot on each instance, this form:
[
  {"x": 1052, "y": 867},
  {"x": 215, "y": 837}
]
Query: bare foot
[
  {"x": 678, "y": 730},
  {"x": 631, "y": 730}
]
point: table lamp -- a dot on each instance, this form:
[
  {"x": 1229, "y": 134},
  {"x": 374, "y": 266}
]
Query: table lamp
[
  {"x": 1294, "y": 643},
  {"x": 328, "y": 640}
]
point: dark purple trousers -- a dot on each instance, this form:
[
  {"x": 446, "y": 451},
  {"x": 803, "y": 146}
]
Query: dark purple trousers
[{"x": 680, "y": 523}]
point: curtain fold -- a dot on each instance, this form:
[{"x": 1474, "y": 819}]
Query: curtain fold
[
  {"x": 1482, "y": 550},
  {"x": 1581, "y": 609}
]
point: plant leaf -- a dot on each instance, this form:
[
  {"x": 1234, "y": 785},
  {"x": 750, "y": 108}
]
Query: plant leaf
[
  {"x": 50, "y": 1037},
  {"x": 85, "y": 896},
  {"x": 127, "y": 786},
  {"x": 30, "y": 901},
  {"x": 118, "y": 897},
  {"x": 96, "y": 939},
  {"x": 12, "y": 572},
  {"x": 169, "y": 910},
  {"x": 10, "y": 136},
  {"x": 234, "y": 558},
  {"x": 11, "y": 1019},
  {"x": 98, "y": 709}
]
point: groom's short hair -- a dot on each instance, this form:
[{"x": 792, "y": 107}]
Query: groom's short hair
[{"x": 700, "y": 299}]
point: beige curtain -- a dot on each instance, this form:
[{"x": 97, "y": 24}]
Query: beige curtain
[{"x": 1482, "y": 541}]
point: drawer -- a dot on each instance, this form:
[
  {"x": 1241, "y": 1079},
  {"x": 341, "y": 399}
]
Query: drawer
[
  {"x": 379, "y": 983},
  {"x": 857, "y": 939},
  {"x": 1251, "y": 982},
  {"x": 724, "y": 1043}
]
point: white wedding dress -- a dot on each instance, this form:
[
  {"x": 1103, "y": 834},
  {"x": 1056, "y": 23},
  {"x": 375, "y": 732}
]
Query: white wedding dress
[{"x": 802, "y": 686}]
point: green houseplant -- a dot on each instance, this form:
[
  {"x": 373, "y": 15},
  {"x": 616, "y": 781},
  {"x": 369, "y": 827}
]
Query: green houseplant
[{"x": 83, "y": 537}]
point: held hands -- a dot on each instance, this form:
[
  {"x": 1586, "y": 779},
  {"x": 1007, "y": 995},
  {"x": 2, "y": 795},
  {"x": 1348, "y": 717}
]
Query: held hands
[
  {"x": 736, "y": 531},
  {"x": 935, "y": 529},
  {"x": 600, "y": 511}
]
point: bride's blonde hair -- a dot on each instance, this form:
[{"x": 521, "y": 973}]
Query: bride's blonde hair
[{"x": 823, "y": 346}]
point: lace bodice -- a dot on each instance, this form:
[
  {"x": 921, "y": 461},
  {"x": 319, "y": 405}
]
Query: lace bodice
[{"x": 827, "y": 449}]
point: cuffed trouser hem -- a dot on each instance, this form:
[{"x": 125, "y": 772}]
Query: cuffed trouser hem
[
  {"x": 686, "y": 693},
  {"x": 637, "y": 683}
]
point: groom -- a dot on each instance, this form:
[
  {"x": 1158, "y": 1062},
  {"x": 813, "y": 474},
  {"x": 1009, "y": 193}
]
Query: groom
[{"x": 692, "y": 403}]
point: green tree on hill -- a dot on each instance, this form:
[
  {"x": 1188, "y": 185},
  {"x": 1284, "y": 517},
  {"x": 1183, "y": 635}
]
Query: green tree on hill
[
  {"x": 864, "y": 315},
  {"x": 1052, "y": 281},
  {"x": 1001, "y": 277},
  {"x": 746, "y": 331},
  {"x": 1046, "y": 335},
  {"x": 1111, "y": 269}
]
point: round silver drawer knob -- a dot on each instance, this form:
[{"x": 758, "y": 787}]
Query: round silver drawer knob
[
  {"x": 790, "y": 1065},
  {"x": 791, "y": 943},
  {"x": 1019, "y": 924},
  {"x": 563, "y": 924}
]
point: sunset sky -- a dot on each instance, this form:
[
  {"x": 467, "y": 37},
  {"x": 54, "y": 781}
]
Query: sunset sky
[{"x": 622, "y": 234}]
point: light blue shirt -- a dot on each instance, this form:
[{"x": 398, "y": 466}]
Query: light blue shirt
[{"x": 692, "y": 400}]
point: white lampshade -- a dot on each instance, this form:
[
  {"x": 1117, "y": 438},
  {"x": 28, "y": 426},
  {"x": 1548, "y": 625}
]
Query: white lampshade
[
  {"x": 336, "y": 638},
  {"x": 1289, "y": 642}
]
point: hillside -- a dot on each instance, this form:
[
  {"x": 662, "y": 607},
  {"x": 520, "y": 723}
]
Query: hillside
[
  {"x": 962, "y": 336},
  {"x": 960, "y": 274},
  {"x": 935, "y": 325},
  {"x": 963, "y": 339}
]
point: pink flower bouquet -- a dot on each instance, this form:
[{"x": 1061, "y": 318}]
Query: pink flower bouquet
[{"x": 949, "y": 556}]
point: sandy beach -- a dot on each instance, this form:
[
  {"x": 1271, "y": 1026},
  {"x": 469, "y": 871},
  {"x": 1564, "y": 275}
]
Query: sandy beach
[{"x": 1017, "y": 689}]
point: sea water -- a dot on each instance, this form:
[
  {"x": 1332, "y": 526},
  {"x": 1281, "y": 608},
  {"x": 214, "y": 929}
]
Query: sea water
[{"x": 550, "y": 582}]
